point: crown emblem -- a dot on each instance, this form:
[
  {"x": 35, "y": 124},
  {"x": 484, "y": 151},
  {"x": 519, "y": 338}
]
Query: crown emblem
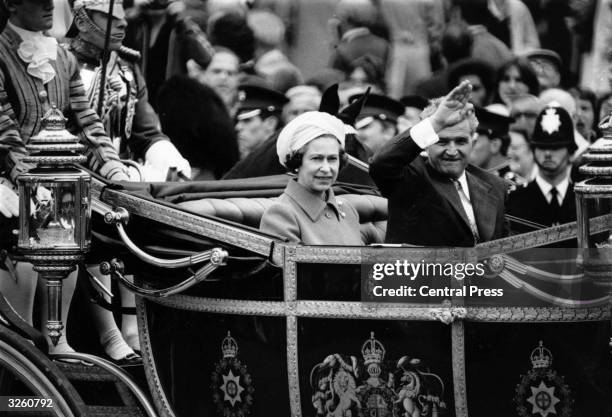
[
  {"x": 229, "y": 347},
  {"x": 541, "y": 357},
  {"x": 551, "y": 121},
  {"x": 372, "y": 350}
]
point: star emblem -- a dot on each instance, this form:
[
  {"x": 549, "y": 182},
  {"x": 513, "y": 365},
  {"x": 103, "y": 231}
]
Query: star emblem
[
  {"x": 543, "y": 400},
  {"x": 232, "y": 389},
  {"x": 550, "y": 121}
]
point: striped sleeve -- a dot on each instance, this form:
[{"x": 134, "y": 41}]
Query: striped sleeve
[
  {"x": 12, "y": 147},
  {"x": 101, "y": 154}
]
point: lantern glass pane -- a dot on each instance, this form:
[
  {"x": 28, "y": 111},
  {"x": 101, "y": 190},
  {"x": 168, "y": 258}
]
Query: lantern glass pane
[
  {"x": 600, "y": 206},
  {"x": 52, "y": 214}
]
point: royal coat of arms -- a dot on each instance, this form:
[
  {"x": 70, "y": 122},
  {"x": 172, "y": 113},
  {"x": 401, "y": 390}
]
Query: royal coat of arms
[
  {"x": 542, "y": 392},
  {"x": 344, "y": 386},
  {"x": 231, "y": 384}
]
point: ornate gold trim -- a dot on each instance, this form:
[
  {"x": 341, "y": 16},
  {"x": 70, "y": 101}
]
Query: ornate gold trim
[
  {"x": 77, "y": 159},
  {"x": 155, "y": 387},
  {"x": 290, "y": 274},
  {"x": 458, "y": 355},
  {"x": 538, "y": 314},
  {"x": 360, "y": 310},
  {"x": 292, "y": 367}
]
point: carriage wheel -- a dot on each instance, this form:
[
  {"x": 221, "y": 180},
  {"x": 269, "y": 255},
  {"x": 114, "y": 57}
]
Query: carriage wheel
[{"x": 27, "y": 372}]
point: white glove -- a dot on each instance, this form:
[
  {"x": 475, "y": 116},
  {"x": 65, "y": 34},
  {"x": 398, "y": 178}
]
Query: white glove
[
  {"x": 162, "y": 155},
  {"x": 9, "y": 201}
]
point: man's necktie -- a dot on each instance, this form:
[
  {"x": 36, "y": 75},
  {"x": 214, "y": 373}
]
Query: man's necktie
[
  {"x": 469, "y": 211},
  {"x": 554, "y": 206}
]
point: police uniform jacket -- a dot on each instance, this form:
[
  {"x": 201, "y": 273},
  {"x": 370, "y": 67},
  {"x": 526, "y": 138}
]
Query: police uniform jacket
[
  {"x": 22, "y": 108},
  {"x": 424, "y": 206},
  {"x": 301, "y": 216},
  {"x": 530, "y": 204}
]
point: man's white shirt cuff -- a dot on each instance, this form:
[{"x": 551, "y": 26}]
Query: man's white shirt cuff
[{"x": 423, "y": 134}]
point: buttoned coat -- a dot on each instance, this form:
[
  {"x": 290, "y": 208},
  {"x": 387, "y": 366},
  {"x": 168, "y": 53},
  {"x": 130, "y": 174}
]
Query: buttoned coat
[
  {"x": 303, "y": 217},
  {"x": 424, "y": 206}
]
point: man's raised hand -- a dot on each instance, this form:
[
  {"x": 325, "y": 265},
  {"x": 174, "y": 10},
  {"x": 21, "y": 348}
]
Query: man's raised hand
[{"x": 453, "y": 108}]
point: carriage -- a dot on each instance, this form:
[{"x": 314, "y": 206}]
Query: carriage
[{"x": 235, "y": 322}]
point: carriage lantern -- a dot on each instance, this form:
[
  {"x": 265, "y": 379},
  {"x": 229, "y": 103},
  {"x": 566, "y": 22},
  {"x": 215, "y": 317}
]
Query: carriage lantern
[
  {"x": 593, "y": 199},
  {"x": 54, "y": 210}
]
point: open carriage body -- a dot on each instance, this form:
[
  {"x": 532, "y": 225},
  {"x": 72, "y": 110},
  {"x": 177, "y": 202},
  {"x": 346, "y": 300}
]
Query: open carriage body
[{"x": 284, "y": 329}]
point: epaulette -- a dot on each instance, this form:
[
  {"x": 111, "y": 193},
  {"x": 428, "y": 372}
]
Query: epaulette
[{"x": 129, "y": 54}]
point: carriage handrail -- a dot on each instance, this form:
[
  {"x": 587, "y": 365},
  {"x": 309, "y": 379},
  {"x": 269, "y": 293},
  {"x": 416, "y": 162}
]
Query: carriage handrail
[
  {"x": 115, "y": 268},
  {"x": 120, "y": 216}
]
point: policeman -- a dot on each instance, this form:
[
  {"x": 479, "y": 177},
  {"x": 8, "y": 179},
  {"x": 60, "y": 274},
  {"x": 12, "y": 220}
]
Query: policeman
[
  {"x": 258, "y": 116},
  {"x": 491, "y": 147},
  {"x": 377, "y": 122},
  {"x": 549, "y": 199}
]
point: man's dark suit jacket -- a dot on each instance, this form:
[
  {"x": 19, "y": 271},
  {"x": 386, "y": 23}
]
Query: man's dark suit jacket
[
  {"x": 530, "y": 204},
  {"x": 424, "y": 206}
]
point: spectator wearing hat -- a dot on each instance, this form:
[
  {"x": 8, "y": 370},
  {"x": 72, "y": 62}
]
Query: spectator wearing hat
[
  {"x": 548, "y": 67},
  {"x": 302, "y": 98},
  {"x": 480, "y": 74},
  {"x": 441, "y": 201},
  {"x": 312, "y": 147},
  {"x": 549, "y": 199},
  {"x": 258, "y": 116},
  {"x": 221, "y": 74},
  {"x": 491, "y": 147},
  {"x": 377, "y": 122},
  {"x": 413, "y": 106}
]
